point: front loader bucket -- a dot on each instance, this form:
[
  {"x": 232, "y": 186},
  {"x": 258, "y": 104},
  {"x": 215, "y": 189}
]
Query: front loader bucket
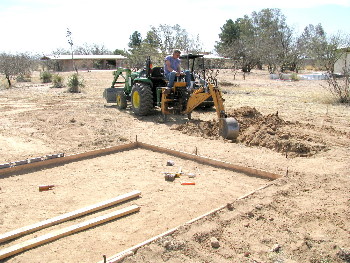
[
  {"x": 229, "y": 128},
  {"x": 110, "y": 94}
]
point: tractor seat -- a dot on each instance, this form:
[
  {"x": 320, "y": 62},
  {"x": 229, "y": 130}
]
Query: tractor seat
[{"x": 157, "y": 72}]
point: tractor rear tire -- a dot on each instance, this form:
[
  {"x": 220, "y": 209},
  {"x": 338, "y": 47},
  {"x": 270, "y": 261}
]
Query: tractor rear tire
[
  {"x": 141, "y": 99},
  {"x": 121, "y": 100}
]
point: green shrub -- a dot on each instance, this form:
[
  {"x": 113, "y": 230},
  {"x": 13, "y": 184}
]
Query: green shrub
[
  {"x": 23, "y": 78},
  {"x": 46, "y": 77},
  {"x": 75, "y": 83},
  {"x": 225, "y": 83},
  {"x": 57, "y": 81},
  {"x": 309, "y": 68},
  {"x": 294, "y": 76},
  {"x": 4, "y": 84}
]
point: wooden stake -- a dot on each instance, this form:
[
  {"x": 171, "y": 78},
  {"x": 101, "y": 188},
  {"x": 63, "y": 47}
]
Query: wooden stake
[
  {"x": 7, "y": 252},
  {"x": 59, "y": 219}
]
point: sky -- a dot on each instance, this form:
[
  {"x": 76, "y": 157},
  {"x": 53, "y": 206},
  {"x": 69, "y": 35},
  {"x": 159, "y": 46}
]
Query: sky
[{"x": 40, "y": 26}]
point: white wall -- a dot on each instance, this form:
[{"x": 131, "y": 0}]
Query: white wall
[{"x": 343, "y": 61}]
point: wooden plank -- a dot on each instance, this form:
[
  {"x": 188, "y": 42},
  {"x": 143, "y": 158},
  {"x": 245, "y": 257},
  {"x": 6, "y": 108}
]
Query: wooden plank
[
  {"x": 7, "y": 252},
  {"x": 74, "y": 214},
  {"x": 66, "y": 159},
  {"x": 212, "y": 162},
  {"x": 134, "y": 145}
]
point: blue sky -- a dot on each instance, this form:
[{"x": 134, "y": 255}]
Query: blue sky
[{"x": 39, "y": 26}]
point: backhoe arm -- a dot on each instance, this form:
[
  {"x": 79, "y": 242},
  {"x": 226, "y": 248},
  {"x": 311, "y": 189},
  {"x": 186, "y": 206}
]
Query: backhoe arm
[
  {"x": 198, "y": 96},
  {"x": 218, "y": 101},
  {"x": 228, "y": 127}
]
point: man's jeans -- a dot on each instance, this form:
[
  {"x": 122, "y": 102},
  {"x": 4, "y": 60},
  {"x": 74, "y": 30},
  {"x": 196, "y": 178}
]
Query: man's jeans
[{"x": 172, "y": 75}]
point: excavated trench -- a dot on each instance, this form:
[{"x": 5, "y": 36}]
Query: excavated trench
[{"x": 269, "y": 131}]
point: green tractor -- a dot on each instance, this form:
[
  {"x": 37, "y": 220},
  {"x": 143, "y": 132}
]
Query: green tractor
[
  {"x": 147, "y": 89},
  {"x": 144, "y": 88}
]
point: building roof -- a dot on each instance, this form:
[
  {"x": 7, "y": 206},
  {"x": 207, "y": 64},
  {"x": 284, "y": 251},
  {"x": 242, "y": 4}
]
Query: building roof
[
  {"x": 212, "y": 56},
  {"x": 98, "y": 57}
]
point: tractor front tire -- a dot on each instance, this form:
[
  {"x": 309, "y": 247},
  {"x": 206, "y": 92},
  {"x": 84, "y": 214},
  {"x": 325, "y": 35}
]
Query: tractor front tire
[
  {"x": 141, "y": 99},
  {"x": 121, "y": 100}
]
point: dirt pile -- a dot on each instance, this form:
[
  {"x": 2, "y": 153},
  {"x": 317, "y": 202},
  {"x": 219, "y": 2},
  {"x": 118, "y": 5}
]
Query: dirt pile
[
  {"x": 206, "y": 129},
  {"x": 269, "y": 131}
]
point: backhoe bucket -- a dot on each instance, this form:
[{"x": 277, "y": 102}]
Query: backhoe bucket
[{"x": 229, "y": 128}]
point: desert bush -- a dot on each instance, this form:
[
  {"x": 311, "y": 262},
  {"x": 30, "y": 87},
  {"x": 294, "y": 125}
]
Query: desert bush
[
  {"x": 294, "y": 77},
  {"x": 225, "y": 83},
  {"x": 57, "y": 81},
  {"x": 13, "y": 65},
  {"x": 75, "y": 83},
  {"x": 3, "y": 84},
  {"x": 309, "y": 68},
  {"x": 23, "y": 78},
  {"x": 340, "y": 86},
  {"x": 46, "y": 77}
]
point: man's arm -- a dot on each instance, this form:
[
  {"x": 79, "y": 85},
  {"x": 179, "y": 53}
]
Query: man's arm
[
  {"x": 178, "y": 69},
  {"x": 168, "y": 65}
]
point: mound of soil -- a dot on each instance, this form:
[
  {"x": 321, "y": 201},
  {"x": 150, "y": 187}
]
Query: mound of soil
[
  {"x": 268, "y": 131},
  {"x": 206, "y": 129}
]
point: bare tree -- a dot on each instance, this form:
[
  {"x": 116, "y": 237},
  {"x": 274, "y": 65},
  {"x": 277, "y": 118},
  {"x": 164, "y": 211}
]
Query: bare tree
[
  {"x": 175, "y": 37},
  {"x": 70, "y": 42},
  {"x": 92, "y": 49},
  {"x": 61, "y": 51},
  {"x": 14, "y": 65},
  {"x": 340, "y": 87},
  {"x": 159, "y": 42}
]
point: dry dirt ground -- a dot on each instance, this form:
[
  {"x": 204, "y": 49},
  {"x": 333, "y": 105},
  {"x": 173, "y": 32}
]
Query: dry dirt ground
[{"x": 288, "y": 128}]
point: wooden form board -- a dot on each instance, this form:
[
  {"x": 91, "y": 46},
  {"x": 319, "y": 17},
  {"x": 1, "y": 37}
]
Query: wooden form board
[
  {"x": 7, "y": 252},
  {"x": 212, "y": 162},
  {"x": 66, "y": 159},
  {"x": 74, "y": 214},
  {"x": 130, "y": 146}
]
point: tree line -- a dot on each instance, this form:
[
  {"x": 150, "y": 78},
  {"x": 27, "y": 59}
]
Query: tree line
[
  {"x": 159, "y": 42},
  {"x": 264, "y": 38}
]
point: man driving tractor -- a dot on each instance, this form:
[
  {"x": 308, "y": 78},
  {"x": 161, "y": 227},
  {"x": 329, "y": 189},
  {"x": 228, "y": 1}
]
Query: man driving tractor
[{"x": 172, "y": 69}]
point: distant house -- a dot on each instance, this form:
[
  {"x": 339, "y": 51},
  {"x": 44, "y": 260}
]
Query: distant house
[
  {"x": 343, "y": 63},
  {"x": 85, "y": 62}
]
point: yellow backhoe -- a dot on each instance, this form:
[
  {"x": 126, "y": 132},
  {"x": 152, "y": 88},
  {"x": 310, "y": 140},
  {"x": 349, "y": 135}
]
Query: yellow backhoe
[{"x": 228, "y": 127}]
